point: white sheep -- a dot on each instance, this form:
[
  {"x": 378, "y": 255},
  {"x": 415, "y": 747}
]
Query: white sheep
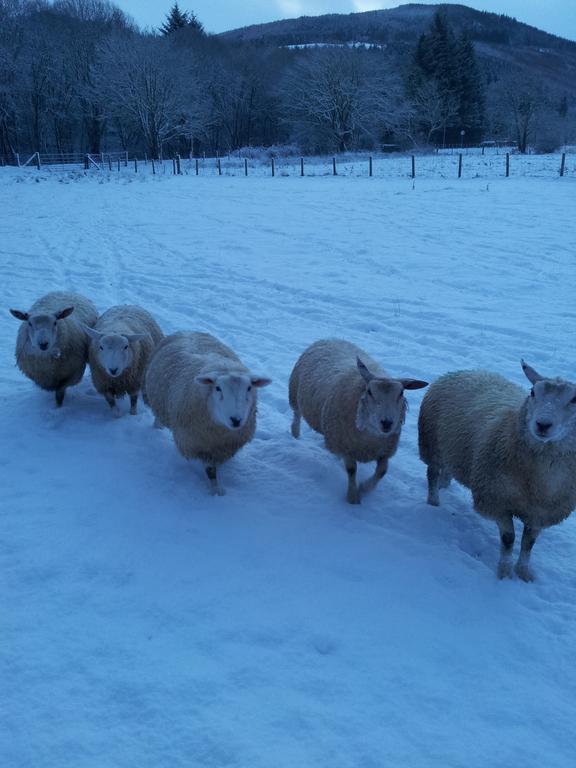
[
  {"x": 199, "y": 389},
  {"x": 51, "y": 346},
  {"x": 516, "y": 453},
  {"x": 349, "y": 399},
  {"x": 121, "y": 343}
]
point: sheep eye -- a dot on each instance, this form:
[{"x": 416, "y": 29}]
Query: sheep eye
[
  {"x": 218, "y": 389},
  {"x": 371, "y": 394},
  {"x": 573, "y": 401},
  {"x": 101, "y": 349},
  {"x": 126, "y": 347},
  {"x": 250, "y": 387},
  {"x": 531, "y": 393}
]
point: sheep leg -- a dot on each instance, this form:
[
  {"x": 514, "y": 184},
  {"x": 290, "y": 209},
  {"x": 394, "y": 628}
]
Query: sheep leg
[
  {"x": 134, "y": 404},
  {"x": 522, "y": 568},
  {"x": 60, "y": 392},
  {"x": 296, "y": 423},
  {"x": 111, "y": 400},
  {"x": 507, "y": 535},
  {"x": 372, "y": 482},
  {"x": 445, "y": 479},
  {"x": 215, "y": 487},
  {"x": 433, "y": 475},
  {"x": 353, "y": 495}
]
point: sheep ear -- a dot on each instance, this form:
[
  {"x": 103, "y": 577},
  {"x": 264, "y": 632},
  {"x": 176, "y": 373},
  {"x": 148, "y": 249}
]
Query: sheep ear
[
  {"x": 132, "y": 337},
  {"x": 207, "y": 379},
  {"x": 366, "y": 375},
  {"x": 19, "y": 315},
  {"x": 532, "y": 375},
  {"x": 260, "y": 381},
  {"x": 413, "y": 383},
  {"x": 92, "y": 333},
  {"x": 64, "y": 313}
]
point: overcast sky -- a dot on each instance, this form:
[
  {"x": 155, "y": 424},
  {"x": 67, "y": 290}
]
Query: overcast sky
[{"x": 557, "y": 16}]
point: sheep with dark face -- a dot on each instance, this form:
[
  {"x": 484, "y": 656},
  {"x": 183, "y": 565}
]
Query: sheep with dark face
[
  {"x": 51, "y": 347},
  {"x": 121, "y": 343},
  {"x": 199, "y": 388},
  {"x": 349, "y": 399},
  {"x": 515, "y": 452}
]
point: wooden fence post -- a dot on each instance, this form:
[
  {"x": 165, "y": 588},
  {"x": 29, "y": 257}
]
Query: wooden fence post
[
  {"x": 460, "y": 165},
  {"x": 413, "y": 167},
  {"x": 118, "y": 165},
  {"x": 273, "y": 167},
  {"x": 301, "y": 166},
  {"x": 173, "y": 166},
  {"x": 109, "y": 162},
  {"x": 153, "y": 168},
  {"x": 197, "y": 167},
  {"x": 507, "y": 164},
  {"x": 334, "y": 166},
  {"x": 245, "y": 166},
  {"x": 38, "y": 160},
  {"x": 126, "y": 159},
  {"x": 370, "y": 166},
  {"x": 135, "y": 165},
  {"x": 18, "y": 159},
  {"x": 178, "y": 171},
  {"x": 219, "y": 167},
  {"x": 563, "y": 164}
]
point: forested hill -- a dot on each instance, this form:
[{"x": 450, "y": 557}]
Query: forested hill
[
  {"x": 496, "y": 36},
  {"x": 399, "y": 25}
]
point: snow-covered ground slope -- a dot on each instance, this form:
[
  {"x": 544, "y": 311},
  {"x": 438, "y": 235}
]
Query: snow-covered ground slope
[{"x": 145, "y": 624}]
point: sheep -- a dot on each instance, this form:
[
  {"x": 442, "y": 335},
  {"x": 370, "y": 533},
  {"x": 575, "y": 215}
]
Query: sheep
[
  {"x": 121, "y": 343},
  {"x": 198, "y": 388},
  {"x": 516, "y": 453},
  {"x": 349, "y": 399},
  {"x": 51, "y": 346}
]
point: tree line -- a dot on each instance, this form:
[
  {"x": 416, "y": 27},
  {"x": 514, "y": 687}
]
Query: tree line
[{"x": 79, "y": 76}]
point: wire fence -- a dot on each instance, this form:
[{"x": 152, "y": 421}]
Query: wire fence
[{"x": 446, "y": 163}]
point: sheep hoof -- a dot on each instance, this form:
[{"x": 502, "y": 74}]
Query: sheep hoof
[
  {"x": 354, "y": 498},
  {"x": 504, "y": 570},
  {"x": 116, "y": 412},
  {"x": 524, "y": 572},
  {"x": 433, "y": 500},
  {"x": 133, "y": 411},
  {"x": 217, "y": 491}
]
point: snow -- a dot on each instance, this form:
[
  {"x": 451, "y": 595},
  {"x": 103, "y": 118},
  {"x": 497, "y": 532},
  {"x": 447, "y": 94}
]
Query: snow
[{"x": 145, "y": 624}]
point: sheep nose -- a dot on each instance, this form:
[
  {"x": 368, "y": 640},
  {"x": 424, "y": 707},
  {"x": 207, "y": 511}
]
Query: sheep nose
[
  {"x": 543, "y": 426},
  {"x": 386, "y": 425},
  {"x": 113, "y": 371},
  {"x": 43, "y": 345},
  {"x": 234, "y": 421}
]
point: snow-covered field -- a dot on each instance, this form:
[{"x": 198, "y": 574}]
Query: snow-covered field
[{"x": 145, "y": 624}]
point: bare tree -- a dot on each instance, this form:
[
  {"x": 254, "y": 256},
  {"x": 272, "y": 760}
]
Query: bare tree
[
  {"x": 325, "y": 97},
  {"x": 137, "y": 84}
]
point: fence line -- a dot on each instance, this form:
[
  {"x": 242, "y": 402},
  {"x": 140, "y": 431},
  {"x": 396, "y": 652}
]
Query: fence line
[{"x": 203, "y": 166}]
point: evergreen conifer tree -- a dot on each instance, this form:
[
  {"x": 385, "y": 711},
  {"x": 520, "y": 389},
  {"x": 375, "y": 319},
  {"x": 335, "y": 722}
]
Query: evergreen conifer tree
[
  {"x": 449, "y": 65},
  {"x": 176, "y": 19}
]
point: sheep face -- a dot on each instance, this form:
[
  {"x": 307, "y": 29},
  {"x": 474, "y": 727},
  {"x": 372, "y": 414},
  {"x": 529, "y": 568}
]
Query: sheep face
[
  {"x": 42, "y": 330},
  {"x": 382, "y": 407},
  {"x": 550, "y": 408},
  {"x": 114, "y": 351},
  {"x": 231, "y": 397}
]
